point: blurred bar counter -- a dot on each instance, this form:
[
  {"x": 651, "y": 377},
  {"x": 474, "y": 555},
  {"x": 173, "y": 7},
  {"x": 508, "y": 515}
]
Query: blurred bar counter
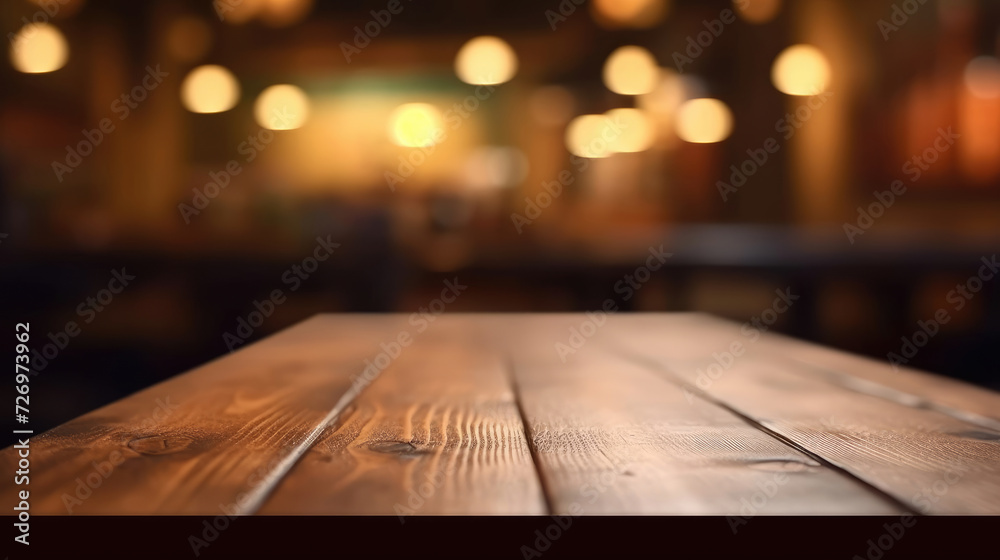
[{"x": 861, "y": 297}]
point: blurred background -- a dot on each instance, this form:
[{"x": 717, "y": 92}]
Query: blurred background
[{"x": 534, "y": 149}]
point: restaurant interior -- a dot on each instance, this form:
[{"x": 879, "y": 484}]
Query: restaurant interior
[{"x": 172, "y": 172}]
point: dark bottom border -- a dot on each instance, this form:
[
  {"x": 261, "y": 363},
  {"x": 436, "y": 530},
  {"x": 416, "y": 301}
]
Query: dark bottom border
[{"x": 866, "y": 538}]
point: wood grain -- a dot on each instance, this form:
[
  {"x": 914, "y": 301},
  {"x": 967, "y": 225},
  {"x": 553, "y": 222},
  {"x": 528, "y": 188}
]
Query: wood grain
[
  {"x": 932, "y": 462},
  {"x": 647, "y": 413},
  {"x": 438, "y": 432},
  {"x": 613, "y": 437},
  {"x": 217, "y": 437},
  {"x": 911, "y": 387},
  {"x": 903, "y": 385}
]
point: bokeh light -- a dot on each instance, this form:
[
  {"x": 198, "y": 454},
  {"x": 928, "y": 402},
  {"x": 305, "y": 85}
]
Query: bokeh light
[
  {"x": 493, "y": 167},
  {"x": 801, "y": 70},
  {"x": 629, "y": 13},
  {"x": 757, "y": 11},
  {"x": 636, "y": 130},
  {"x": 590, "y": 136},
  {"x": 281, "y": 13},
  {"x": 275, "y": 13},
  {"x": 416, "y": 125},
  {"x": 210, "y": 89},
  {"x": 38, "y": 48},
  {"x": 237, "y": 13},
  {"x": 486, "y": 60},
  {"x": 661, "y": 104},
  {"x": 666, "y": 96},
  {"x": 982, "y": 77},
  {"x": 631, "y": 70},
  {"x": 281, "y": 107},
  {"x": 704, "y": 121}
]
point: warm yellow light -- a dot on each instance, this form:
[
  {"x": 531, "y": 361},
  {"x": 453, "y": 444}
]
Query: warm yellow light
[
  {"x": 276, "y": 13},
  {"x": 492, "y": 167},
  {"x": 629, "y": 13},
  {"x": 281, "y": 107},
  {"x": 591, "y": 136},
  {"x": 661, "y": 104},
  {"x": 801, "y": 70},
  {"x": 982, "y": 77},
  {"x": 210, "y": 89},
  {"x": 416, "y": 125},
  {"x": 757, "y": 11},
  {"x": 636, "y": 130},
  {"x": 279, "y": 13},
  {"x": 703, "y": 121},
  {"x": 486, "y": 60},
  {"x": 630, "y": 71},
  {"x": 38, "y": 48},
  {"x": 237, "y": 12},
  {"x": 668, "y": 94}
]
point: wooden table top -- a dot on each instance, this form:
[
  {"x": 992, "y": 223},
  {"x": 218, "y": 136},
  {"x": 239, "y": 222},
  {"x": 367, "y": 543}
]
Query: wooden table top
[{"x": 528, "y": 414}]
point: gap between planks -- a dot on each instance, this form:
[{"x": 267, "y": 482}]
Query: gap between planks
[
  {"x": 529, "y": 437},
  {"x": 273, "y": 478},
  {"x": 474, "y": 430},
  {"x": 884, "y": 392},
  {"x": 674, "y": 379},
  {"x": 912, "y": 389}
]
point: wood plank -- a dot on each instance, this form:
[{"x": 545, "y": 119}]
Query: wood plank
[
  {"x": 437, "y": 433},
  {"x": 613, "y": 437},
  {"x": 976, "y": 405},
  {"x": 908, "y": 386},
  {"x": 930, "y": 461},
  {"x": 611, "y": 429},
  {"x": 221, "y": 434}
]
